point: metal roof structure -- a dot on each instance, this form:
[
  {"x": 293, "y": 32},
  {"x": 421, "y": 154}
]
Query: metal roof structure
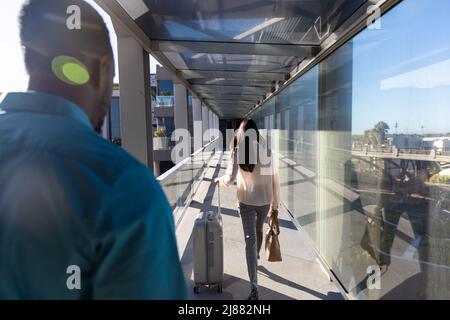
[{"x": 233, "y": 53}]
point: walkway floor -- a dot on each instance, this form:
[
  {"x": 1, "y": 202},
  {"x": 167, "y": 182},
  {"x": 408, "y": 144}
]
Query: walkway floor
[{"x": 299, "y": 276}]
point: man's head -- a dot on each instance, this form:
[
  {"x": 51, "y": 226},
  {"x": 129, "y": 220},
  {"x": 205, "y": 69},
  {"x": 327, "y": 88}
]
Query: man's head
[{"x": 64, "y": 60}]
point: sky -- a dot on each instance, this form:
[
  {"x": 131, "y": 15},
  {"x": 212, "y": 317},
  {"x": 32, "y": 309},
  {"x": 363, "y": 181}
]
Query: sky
[
  {"x": 13, "y": 74},
  {"x": 401, "y": 72}
]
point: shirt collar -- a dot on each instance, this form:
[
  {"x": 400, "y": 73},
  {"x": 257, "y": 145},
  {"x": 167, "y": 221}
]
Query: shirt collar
[{"x": 39, "y": 102}]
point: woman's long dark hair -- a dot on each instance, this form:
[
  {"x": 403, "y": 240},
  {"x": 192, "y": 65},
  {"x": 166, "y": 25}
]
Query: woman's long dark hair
[{"x": 243, "y": 140}]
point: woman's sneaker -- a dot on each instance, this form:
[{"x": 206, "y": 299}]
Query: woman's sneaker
[{"x": 253, "y": 295}]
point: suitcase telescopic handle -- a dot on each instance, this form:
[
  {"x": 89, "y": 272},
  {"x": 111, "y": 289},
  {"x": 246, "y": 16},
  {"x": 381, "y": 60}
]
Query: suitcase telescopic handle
[{"x": 218, "y": 196}]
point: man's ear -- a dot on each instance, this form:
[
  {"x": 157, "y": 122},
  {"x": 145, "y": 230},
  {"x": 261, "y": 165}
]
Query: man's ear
[
  {"x": 101, "y": 71},
  {"x": 106, "y": 72}
]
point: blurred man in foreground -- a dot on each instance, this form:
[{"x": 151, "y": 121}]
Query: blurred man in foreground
[{"x": 79, "y": 217}]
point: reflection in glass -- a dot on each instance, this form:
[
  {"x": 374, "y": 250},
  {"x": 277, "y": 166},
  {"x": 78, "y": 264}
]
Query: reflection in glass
[{"x": 364, "y": 146}]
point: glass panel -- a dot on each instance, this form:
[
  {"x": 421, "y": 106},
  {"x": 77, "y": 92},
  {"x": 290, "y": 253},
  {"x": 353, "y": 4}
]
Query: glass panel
[
  {"x": 182, "y": 181},
  {"x": 400, "y": 112},
  {"x": 237, "y": 62},
  {"x": 368, "y": 130},
  {"x": 265, "y": 120},
  {"x": 263, "y": 21},
  {"x": 298, "y": 109}
]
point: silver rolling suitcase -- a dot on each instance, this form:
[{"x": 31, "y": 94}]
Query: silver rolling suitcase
[{"x": 208, "y": 250}]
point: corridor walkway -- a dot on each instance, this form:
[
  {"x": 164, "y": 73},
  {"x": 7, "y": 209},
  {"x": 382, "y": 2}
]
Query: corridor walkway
[{"x": 298, "y": 277}]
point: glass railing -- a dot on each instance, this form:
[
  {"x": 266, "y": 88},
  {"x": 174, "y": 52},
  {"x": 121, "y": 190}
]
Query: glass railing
[
  {"x": 182, "y": 181},
  {"x": 165, "y": 101}
]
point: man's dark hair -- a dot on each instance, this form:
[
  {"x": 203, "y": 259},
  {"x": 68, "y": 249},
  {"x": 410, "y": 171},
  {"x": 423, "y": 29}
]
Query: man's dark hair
[{"x": 44, "y": 32}]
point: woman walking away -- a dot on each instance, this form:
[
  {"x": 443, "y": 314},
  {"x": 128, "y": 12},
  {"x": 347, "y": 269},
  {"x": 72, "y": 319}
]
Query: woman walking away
[{"x": 251, "y": 165}]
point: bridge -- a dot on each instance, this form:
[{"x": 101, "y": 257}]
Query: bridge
[{"x": 403, "y": 154}]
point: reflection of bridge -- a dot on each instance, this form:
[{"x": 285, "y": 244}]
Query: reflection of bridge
[
  {"x": 404, "y": 154},
  {"x": 384, "y": 152}
]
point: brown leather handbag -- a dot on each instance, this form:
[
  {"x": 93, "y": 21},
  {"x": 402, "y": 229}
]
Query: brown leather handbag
[{"x": 273, "y": 251}]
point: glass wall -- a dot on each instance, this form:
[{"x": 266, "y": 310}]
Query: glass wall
[
  {"x": 183, "y": 180},
  {"x": 363, "y": 142}
]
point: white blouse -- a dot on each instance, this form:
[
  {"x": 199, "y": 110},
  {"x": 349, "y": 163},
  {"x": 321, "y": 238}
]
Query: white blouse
[{"x": 258, "y": 188}]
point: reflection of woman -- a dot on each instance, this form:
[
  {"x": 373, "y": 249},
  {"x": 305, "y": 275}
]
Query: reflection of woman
[{"x": 257, "y": 190}]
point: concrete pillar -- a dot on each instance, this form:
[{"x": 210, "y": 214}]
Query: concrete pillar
[
  {"x": 213, "y": 126},
  {"x": 211, "y": 120},
  {"x": 197, "y": 121},
  {"x": 135, "y": 100},
  {"x": 181, "y": 106},
  {"x": 205, "y": 120},
  {"x": 157, "y": 171}
]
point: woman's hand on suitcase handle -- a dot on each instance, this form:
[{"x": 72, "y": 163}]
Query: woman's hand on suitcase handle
[{"x": 219, "y": 182}]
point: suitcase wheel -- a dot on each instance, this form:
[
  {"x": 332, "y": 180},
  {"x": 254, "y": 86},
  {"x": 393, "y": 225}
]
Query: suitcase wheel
[
  {"x": 220, "y": 289},
  {"x": 197, "y": 289}
]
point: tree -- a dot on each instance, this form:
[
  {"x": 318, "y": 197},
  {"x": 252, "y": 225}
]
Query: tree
[
  {"x": 381, "y": 129},
  {"x": 366, "y": 138},
  {"x": 370, "y": 137},
  {"x": 377, "y": 135}
]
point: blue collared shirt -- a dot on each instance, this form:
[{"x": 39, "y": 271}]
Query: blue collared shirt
[{"x": 79, "y": 217}]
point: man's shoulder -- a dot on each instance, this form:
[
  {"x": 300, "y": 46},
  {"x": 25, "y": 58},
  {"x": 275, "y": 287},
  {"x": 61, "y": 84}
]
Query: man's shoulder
[
  {"x": 111, "y": 153},
  {"x": 94, "y": 152}
]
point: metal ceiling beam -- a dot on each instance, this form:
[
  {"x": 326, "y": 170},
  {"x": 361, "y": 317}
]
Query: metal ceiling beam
[
  {"x": 231, "y": 102},
  {"x": 235, "y": 105},
  {"x": 265, "y": 87},
  {"x": 237, "y": 89},
  {"x": 211, "y": 47},
  {"x": 253, "y": 83},
  {"x": 223, "y": 96},
  {"x": 232, "y": 75},
  {"x": 223, "y": 100}
]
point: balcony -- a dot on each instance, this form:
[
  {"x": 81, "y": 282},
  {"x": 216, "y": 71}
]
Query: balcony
[
  {"x": 164, "y": 107},
  {"x": 165, "y": 101},
  {"x": 190, "y": 190}
]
